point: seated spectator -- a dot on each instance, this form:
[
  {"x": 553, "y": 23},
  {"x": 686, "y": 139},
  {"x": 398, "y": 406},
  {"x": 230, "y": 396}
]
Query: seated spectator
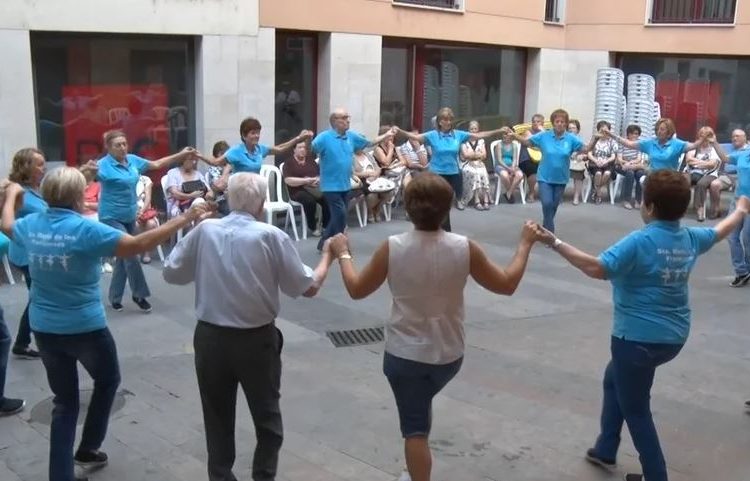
[
  {"x": 146, "y": 213},
  {"x": 727, "y": 175},
  {"x": 91, "y": 203},
  {"x": 302, "y": 177},
  {"x": 385, "y": 155},
  {"x": 507, "y": 153},
  {"x": 632, "y": 165},
  {"x": 476, "y": 181},
  {"x": 601, "y": 162},
  {"x": 701, "y": 167},
  {"x": 577, "y": 164},
  {"x": 414, "y": 156},
  {"x": 213, "y": 176},
  {"x": 366, "y": 169},
  {"x": 184, "y": 185}
]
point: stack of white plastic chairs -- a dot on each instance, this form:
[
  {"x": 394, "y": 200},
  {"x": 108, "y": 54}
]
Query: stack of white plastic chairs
[
  {"x": 641, "y": 94},
  {"x": 449, "y": 85},
  {"x": 610, "y": 103},
  {"x": 431, "y": 95}
]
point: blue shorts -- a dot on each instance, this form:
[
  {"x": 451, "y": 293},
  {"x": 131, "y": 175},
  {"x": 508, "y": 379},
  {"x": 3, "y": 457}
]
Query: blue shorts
[{"x": 414, "y": 384}]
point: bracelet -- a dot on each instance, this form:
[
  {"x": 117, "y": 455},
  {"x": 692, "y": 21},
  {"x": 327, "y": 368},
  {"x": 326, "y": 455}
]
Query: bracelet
[{"x": 345, "y": 255}]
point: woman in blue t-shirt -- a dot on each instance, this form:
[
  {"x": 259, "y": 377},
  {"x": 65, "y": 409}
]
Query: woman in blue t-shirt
[
  {"x": 66, "y": 312},
  {"x": 445, "y": 147},
  {"x": 119, "y": 173},
  {"x": 649, "y": 271},
  {"x": 665, "y": 150},
  {"x": 27, "y": 170},
  {"x": 556, "y": 145}
]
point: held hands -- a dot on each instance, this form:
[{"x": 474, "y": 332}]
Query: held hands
[
  {"x": 306, "y": 134},
  {"x": 533, "y": 232},
  {"x": 11, "y": 192},
  {"x": 338, "y": 244},
  {"x": 190, "y": 153},
  {"x": 200, "y": 211}
]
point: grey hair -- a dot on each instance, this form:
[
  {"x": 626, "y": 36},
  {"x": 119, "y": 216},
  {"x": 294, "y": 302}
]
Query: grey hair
[
  {"x": 63, "y": 187},
  {"x": 246, "y": 192}
]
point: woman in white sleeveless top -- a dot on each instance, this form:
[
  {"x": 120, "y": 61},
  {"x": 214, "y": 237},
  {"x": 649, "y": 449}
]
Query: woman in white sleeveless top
[{"x": 426, "y": 269}]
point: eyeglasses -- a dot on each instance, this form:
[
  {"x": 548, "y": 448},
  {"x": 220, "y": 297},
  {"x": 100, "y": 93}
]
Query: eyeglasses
[{"x": 343, "y": 117}]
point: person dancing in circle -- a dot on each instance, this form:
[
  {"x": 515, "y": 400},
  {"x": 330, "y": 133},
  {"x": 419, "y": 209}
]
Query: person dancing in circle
[
  {"x": 556, "y": 145},
  {"x": 649, "y": 271}
]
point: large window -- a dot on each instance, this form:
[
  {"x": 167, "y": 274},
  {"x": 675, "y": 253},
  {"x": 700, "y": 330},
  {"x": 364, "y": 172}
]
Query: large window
[
  {"x": 396, "y": 85},
  {"x": 693, "y": 11},
  {"x": 296, "y": 85},
  {"x": 86, "y": 85},
  {"x": 696, "y": 91},
  {"x": 486, "y": 84}
]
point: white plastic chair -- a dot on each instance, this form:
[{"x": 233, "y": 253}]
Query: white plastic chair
[
  {"x": 294, "y": 204},
  {"x": 611, "y": 188},
  {"x": 499, "y": 186},
  {"x": 272, "y": 207},
  {"x": 180, "y": 232}
]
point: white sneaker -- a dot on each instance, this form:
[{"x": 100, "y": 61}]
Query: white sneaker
[
  {"x": 107, "y": 268},
  {"x": 404, "y": 476},
  {"x": 316, "y": 233}
]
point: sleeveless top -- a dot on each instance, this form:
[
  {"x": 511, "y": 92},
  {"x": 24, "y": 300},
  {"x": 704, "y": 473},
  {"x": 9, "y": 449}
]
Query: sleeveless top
[
  {"x": 507, "y": 153},
  {"x": 427, "y": 273}
]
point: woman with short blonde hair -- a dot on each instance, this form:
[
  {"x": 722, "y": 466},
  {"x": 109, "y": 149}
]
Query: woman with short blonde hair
[{"x": 66, "y": 312}]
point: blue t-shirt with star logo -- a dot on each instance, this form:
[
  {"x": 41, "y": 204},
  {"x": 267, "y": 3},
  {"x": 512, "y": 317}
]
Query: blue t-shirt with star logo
[{"x": 649, "y": 271}]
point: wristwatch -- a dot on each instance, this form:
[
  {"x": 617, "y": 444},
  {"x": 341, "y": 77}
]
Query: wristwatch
[
  {"x": 557, "y": 243},
  {"x": 345, "y": 255}
]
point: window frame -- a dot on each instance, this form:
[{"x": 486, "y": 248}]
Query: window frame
[
  {"x": 560, "y": 10},
  {"x": 648, "y": 21},
  {"x": 460, "y": 4}
]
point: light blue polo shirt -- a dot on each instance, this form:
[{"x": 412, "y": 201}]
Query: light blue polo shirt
[
  {"x": 118, "y": 200},
  {"x": 730, "y": 167},
  {"x": 741, "y": 159},
  {"x": 65, "y": 251},
  {"x": 445, "y": 147},
  {"x": 32, "y": 203},
  {"x": 554, "y": 168},
  {"x": 336, "y": 157},
  {"x": 649, "y": 271},
  {"x": 242, "y": 160},
  {"x": 663, "y": 157}
]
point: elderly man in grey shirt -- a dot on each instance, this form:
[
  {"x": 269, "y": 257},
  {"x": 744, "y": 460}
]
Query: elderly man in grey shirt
[{"x": 239, "y": 265}]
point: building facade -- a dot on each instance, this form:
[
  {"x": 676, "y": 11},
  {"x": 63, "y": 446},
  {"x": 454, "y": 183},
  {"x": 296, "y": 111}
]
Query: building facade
[{"x": 185, "y": 72}]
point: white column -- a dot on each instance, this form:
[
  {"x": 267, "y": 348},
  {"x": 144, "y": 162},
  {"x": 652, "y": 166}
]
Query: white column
[
  {"x": 349, "y": 77},
  {"x": 17, "y": 116},
  {"x": 235, "y": 78},
  {"x": 564, "y": 79}
]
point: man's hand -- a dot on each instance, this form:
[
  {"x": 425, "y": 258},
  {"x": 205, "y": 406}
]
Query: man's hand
[
  {"x": 339, "y": 244},
  {"x": 529, "y": 233},
  {"x": 200, "y": 211}
]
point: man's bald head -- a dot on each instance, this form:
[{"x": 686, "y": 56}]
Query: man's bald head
[
  {"x": 739, "y": 138},
  {"x": 339, "y": 120}
]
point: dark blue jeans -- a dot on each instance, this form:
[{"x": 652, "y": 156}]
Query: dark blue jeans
[
  {"x": 97, "y": 353},
  {"x": 126, "y": 269},
  {"x": 627, "y": 397},
  {"x": 4, "y": 352},
  {"x": 337, "y": 210},
  {"x": 550, "y": 195},
  {"x": 23, "y": 336},
  {"x": 631, "y": 177},
  {"x": 456, "y": 182}
]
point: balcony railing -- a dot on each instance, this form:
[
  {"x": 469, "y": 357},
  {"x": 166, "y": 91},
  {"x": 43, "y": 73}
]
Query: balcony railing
[
  {"x": 693, "y": 11},
  {"x": 444, "y": 4}
]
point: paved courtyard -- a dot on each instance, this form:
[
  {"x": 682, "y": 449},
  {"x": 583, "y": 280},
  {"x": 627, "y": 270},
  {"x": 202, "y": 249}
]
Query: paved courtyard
[{"x": 523, "y": 408}]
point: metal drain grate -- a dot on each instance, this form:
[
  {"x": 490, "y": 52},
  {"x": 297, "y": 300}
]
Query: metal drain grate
[{"x": 356, "y": 337}]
